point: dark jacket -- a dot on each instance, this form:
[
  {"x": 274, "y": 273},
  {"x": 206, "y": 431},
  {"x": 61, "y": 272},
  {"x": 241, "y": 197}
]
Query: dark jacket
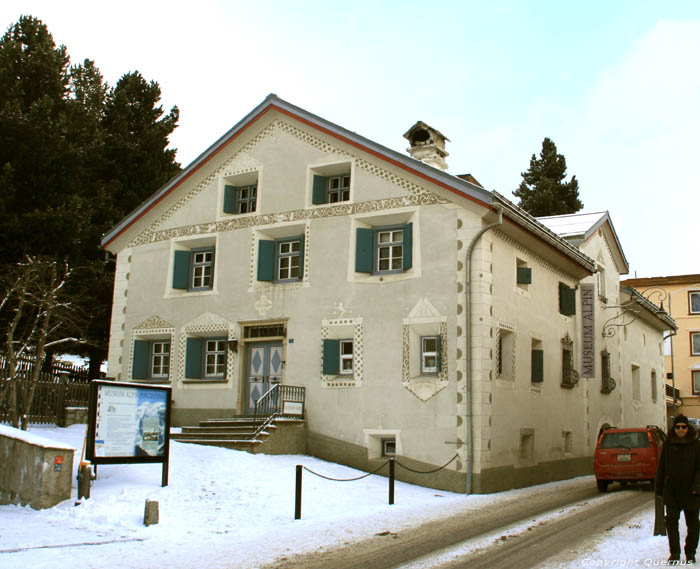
[{"x": 678, "y": 474}]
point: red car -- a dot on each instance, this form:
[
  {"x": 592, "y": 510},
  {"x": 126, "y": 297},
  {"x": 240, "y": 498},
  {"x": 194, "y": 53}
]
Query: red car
[{"x": 627, "y": 455}]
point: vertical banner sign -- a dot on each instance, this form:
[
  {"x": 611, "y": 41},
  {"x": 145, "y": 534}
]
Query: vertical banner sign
[{"x": 587, "y": 330}]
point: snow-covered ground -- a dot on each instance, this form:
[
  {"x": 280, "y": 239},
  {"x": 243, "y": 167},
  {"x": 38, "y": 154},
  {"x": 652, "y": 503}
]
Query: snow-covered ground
[{"x": 231, "y": 509}]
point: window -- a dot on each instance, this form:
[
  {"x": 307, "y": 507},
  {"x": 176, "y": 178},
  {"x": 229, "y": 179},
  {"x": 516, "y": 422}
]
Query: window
[
  {"x": 384, "y": 250},
  {"x": 151, "y": 360},
  {"x": 696, "y": 382},
  {"x": 206, "y": 358},
  {"x": 694, "y": 302},
  {"x": 600, "y": 278},
  {"x": 330, "y": 189},
  {"x": 194, "y": 269},
  {"x": 429, "y": 354},
  {"x": 695, "y": 343},
  {"x": 636, "y": 387},
  {"x": 338, "y": 357},
  {"x": 281, "y": 260},
  {"x": 527, "y": 445},
  {"x": 523, "y": 274},
  {"x": 389, "y": 447},
  {"x": 240, "y": 199},
  {"x": 567, "y": 300},
  {"x": 654, "y": 388},
  {"x": 537, "y": 362},
  {"x": 569, "y": 376},
  {"x": 505, "y": 350},
  {"x": 607, "y": 382}
]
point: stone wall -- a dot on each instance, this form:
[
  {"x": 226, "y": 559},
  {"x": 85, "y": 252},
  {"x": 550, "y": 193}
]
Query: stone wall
[{"x": 36, "y": 471}]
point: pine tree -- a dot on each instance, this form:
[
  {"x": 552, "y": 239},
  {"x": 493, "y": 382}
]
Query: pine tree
[{"x": 543, "y": 190}]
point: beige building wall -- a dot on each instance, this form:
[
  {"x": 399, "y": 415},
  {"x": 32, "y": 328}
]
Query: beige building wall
[{"x": 680, "y": 360}]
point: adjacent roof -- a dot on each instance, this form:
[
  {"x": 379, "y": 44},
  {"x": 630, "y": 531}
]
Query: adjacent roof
[
  {"x": 649, "y": 307},
  {"x": 577, "y": 228},
  {"x": 461, "y": 186}
]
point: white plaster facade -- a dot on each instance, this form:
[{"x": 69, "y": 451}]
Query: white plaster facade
[{"x": 522, "y": 431}]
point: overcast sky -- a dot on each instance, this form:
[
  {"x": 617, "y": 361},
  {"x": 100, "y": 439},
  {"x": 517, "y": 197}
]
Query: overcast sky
[{"x": 615, "y": 84}]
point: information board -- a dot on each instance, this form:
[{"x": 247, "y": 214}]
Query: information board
[{"x": 129, "y": 422}]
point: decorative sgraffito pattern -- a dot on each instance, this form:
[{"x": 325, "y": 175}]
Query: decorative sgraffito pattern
[
  {"x": 154, "y": 325},
  {"x": 357, "y": 347},
  {"x": 418, "y": 195},
  {"x": 423, "y": 388}
]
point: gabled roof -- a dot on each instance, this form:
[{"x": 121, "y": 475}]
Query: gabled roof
[
  {"x": 577, "y": 228},
  {"x": 457, "y": 185}
]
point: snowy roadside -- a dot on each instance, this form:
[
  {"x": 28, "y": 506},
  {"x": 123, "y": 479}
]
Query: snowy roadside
[{"x": 225, "y": 508}]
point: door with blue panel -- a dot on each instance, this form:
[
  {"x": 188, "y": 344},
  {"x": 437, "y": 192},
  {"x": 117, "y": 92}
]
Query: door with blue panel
[{"x": 264, "y": 370}]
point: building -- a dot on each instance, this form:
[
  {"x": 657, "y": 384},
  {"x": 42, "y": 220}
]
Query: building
[
  {"x": 680, "y": 296},
  {"x": 425, "y": 317}
]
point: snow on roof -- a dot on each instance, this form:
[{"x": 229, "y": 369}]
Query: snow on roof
[
  {"x": 30, "y": 438},
  {"x": 573, "y": 224}
]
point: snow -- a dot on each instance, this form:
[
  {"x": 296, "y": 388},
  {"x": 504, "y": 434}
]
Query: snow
[
  {"x": 230, "y": 509},
  {"x": 32, "y": 438}
]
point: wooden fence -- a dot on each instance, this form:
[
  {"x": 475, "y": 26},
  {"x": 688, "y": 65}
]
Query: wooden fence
[{"x": 59, "y": 386}]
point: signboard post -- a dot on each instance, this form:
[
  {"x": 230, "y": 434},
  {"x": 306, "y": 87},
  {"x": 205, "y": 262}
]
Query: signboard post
[{"x": 129, "y": 423}]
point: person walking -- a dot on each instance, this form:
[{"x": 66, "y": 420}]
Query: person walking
[{"x": 678, "y": 481}]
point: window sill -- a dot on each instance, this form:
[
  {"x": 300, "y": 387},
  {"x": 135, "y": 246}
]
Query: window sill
[
  {"x": 152, "y": 381},
  {"x": 189, "y": 293},
  {"x": 200, "y": 381}
]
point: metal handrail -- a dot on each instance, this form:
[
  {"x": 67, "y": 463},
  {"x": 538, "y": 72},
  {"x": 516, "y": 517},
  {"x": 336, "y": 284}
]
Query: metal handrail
[{"x": 275, "y": 403}]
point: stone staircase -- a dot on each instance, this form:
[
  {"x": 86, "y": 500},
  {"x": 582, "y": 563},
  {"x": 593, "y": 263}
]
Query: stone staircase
[{"x": 239, "y": 433}]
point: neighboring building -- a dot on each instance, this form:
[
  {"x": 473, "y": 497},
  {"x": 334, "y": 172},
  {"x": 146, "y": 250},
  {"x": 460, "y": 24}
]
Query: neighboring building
[
  {"x": 680, "y": 296},
  {"x": 425, "y": 317}
]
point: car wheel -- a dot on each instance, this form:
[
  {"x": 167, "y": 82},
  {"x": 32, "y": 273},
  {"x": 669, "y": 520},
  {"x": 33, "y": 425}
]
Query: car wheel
[{"x": 602, "y": 485}]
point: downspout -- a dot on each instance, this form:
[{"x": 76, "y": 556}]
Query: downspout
[{"x": 467, "y": 330}]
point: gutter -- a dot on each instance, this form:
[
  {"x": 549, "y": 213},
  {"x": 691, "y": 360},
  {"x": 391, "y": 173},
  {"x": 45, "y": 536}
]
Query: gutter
[{"x": 467, "y": 330}]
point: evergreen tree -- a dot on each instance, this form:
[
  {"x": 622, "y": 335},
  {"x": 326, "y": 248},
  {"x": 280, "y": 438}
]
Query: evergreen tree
[
  {"x": 543, "y": 190},
  {"x": 75, "y": 158}
]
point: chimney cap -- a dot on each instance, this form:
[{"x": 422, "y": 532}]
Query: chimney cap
[{"x": 421, "y": 133}]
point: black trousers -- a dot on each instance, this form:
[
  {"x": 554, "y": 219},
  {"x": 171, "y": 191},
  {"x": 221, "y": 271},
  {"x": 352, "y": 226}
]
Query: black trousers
[{"x": 673, "y": 514}]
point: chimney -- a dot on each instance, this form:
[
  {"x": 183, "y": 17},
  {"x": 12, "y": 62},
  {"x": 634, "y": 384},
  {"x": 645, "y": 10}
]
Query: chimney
[{"x": 427, "y": 145}]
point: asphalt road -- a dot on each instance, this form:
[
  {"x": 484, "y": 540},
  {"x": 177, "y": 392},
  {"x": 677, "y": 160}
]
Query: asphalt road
[{"x": 438, "y": 543}]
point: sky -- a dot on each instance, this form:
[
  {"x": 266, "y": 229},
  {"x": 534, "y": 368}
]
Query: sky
[
  {"x": 614, "y": 83},
  {"x": 221, "y": 507}
]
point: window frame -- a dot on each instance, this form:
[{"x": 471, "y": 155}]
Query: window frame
[
  {"x": 280, "y": 256},
  {"x": 195, "y": 266},
  {"x": 322, "y": 189},
  {"x": 163, "y": 355},
  {"x": 196, "y": 358},
  {"x": 435, "y": 369},
  {"x": 691, "y": 295},
  {"x": 344, "y": 357},
  {"x": 695, "y": 384},
  {"x": 693, "y": 350},
  {"x": 143, "y": 359},
  {"x": 368, "y": 245}
]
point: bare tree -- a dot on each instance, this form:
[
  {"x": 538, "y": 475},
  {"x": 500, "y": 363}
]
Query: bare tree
[{"x": 34, "y": 310}]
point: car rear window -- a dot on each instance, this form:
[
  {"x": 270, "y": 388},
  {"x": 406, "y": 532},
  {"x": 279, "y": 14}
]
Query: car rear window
[{"x": 626, "y": 440}]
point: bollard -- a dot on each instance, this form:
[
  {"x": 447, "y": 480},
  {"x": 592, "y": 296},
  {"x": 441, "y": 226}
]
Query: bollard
[
  {"x": 297, "y": 494},
  {"x": 85, "y": 476},
  {"x": 391, "y": 481},
  {"x": 150, "y": 513}
]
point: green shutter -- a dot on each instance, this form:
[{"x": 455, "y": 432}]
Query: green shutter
[
  {"x": 301, "y": 258},
  {"x": 266, "y": 260},
  {"x": 230, "y": 199},
  {"x": 364, "y": 250},
  {"x": 181, "y": 270},
  {"x": 567, "y": 300},
  {"x": 537, "y": 374},
  {"x": 407, "y": 246},
  {"x": 524, "y": 275},
  {"x": 319, "y": 194},
  {"x": 142, "y": 353},
  {"x": 193, "y": 359},
  {"x": 331, "y": 357}
]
